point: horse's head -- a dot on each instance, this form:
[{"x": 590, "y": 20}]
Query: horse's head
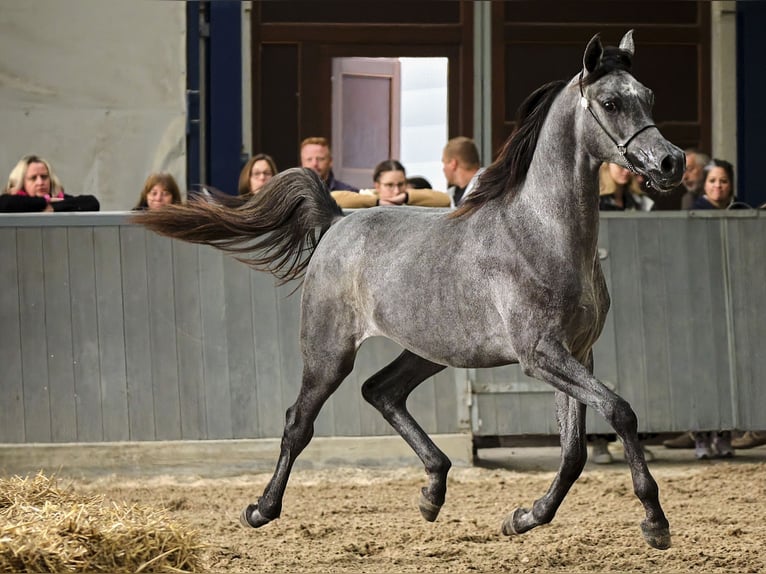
[{"x": 618, "y": 109}]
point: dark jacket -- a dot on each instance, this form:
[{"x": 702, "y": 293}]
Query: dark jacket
[
  {"x": 25, "y": 204},
  {"x": 337, "y": 185}
]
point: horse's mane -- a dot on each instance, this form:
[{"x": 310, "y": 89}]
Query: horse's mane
[{"x": 510, "y": 168}]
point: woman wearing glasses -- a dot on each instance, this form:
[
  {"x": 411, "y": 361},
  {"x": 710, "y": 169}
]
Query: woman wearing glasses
[
  {"x": 390, "y": 181},
  {"x": 257, "y": 171}
]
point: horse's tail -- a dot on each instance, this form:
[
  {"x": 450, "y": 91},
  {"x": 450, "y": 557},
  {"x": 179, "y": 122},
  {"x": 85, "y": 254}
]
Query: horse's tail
[{"x": 280, "y": 226}]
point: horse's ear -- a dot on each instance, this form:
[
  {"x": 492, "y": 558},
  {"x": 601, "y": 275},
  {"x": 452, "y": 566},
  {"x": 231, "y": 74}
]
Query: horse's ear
[
  {"x": 626, "y": 44},
  {"x": 593, "y": 52}
]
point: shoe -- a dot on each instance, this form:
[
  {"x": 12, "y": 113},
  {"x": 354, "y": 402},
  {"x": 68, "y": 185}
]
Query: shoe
[
  {"x": 702, "y": 448},
  {"x": 684, "y": 440},
  {"x": 722, "y": 444},
  {"x": 750, "y": 439},
  {"x": 600, "y": 451}
]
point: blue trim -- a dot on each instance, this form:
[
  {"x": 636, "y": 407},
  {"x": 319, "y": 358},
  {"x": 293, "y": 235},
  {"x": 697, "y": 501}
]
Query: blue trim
[
  {"x": 193, "y": 112},
  {"x": 751, "y": 95},
  {"x": 224, "y": 90}
]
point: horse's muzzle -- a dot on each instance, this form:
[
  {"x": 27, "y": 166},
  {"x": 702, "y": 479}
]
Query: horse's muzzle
[{"x": 669, "y": 171}]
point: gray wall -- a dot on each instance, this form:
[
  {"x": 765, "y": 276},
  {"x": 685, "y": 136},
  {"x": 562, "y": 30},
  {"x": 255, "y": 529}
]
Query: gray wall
[
  {"x": 684, "y": 337},
  {"x": 98, "y": 89},
  {"x": 111, "y": 333}
]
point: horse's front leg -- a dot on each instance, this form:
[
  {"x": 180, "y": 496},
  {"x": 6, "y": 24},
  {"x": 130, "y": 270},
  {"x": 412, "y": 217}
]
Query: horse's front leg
[
  {"x": 574, "y": 453},
  {"x": 552, "y": 363},
  {"x": 387, "y": 390}
]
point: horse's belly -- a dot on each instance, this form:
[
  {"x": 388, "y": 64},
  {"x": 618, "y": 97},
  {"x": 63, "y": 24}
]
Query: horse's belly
[{"x": 456, "y": 344}]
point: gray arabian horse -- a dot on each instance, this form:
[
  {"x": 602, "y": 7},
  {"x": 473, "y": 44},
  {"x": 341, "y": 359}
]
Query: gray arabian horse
[{"x": 520, "y": 257}]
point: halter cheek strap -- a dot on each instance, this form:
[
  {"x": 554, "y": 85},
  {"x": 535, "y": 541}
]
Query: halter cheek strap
[{"x": 622, "y": 148}]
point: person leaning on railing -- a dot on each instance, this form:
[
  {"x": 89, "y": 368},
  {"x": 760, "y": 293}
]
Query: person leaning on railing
[
  {"x": 390, "y": 188},
  {"x": 33, "y": 187},
  {"x": 160, "y": 189}
]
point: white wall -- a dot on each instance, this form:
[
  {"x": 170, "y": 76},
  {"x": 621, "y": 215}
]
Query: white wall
[
  {"x": 723, "y": 52},
  {"x": 98, "y": 89},
  {"x": 424, "y": 118}
]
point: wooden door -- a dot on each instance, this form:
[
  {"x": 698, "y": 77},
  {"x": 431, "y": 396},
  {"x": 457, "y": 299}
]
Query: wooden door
[{"x": 365, "y": 116}]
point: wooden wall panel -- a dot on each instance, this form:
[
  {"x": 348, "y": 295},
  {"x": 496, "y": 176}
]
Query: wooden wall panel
[
  {"x": 218, "y": 403},
  {"x": 112, "y": 372},
  {"x": 162, "y": 338},
  {"x": 84, "y": 334},
  {"x": 240, "y": 345},
  {"x": 135, "y": 303},
  {"x": 534, "y": 43},
  {"x": 34, "y": 348},
  {"x": 61, "y": 386},
  {"x": 11, "y": 383},
  {"x": 189, "y": 337}
]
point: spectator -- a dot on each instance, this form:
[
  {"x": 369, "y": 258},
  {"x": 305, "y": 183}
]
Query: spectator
[
  {"x": 620, "y": 190},
  {"x": 418, "y": 182},
  {"x": 159, "y": 189},
  {"x": 316, "y": 155},
  {"x": 718, "y": 186},
  {"x": 390, "y": 180},
  {"x": 461, "y": 166},
  {"x": 257, "y": 171},
  {"x": 33, "y": 186},
  {"x": 693, "y": 181}
]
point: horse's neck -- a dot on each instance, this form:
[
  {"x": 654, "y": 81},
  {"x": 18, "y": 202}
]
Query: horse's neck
[{"x": 562, "y": 182}]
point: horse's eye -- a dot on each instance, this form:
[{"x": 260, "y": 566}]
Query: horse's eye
[{"x": 611, "y": 106}]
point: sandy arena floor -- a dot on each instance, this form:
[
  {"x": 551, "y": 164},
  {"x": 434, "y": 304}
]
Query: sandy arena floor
[{"x": 349, "y": 520}]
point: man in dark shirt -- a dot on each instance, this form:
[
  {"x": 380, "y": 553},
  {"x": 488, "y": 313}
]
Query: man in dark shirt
[{"x": 316, "y": 155}]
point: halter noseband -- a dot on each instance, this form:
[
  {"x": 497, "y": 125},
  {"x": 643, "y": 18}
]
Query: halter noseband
[{"x": 622, "y": 148}]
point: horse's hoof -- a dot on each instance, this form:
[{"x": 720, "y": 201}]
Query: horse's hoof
[
  {"x": 428, "y": 509},
  {"x": 656, "y": 537},
  {"x": 252, "y": 518},
  {"x": 508, "y": 527}
]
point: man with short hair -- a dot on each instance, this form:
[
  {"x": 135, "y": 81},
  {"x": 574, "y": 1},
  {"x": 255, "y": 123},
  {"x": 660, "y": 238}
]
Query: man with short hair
[
  {"x": 694, "y": 179},
  {"x": 316, "y": 155},
  {"x": 461, "y": 166}
]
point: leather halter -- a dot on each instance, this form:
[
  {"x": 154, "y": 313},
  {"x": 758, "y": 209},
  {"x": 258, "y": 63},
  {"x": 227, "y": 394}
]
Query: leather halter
[{"x": 622, "y": 148}]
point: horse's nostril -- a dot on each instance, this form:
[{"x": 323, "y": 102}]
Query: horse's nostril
[{"x": 668, "y": 164}]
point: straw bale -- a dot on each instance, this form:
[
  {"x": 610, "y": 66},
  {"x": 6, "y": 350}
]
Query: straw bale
[{"x": 45, "y": 527}]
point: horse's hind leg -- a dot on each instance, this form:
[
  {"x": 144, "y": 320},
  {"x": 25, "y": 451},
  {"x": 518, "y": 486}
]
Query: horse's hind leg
[
  {"x": 320, "y": 379},
  {"x": 574, "y": 453},
  {"x": 387, "y": 390}
]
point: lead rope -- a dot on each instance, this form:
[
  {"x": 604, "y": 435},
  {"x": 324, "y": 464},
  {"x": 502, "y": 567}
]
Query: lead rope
[{"x": 622, "y": 148}]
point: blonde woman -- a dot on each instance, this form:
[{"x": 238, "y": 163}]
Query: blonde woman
[
  {"x": 620, "y": 190},
  {"x": 33, "y": 186}
]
